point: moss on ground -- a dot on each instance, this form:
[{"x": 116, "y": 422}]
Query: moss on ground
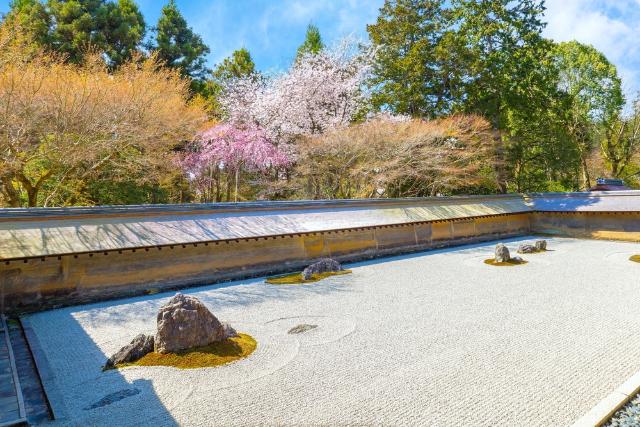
[
  {"x": 296, "y": 278},
  {"x": 510, "y": 263},
  {"x": 216, "y": 354},
  {"x": 634, "y": 258}
]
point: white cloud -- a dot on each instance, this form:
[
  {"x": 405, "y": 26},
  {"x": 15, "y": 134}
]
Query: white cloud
[{"x": 611, "y": 26}]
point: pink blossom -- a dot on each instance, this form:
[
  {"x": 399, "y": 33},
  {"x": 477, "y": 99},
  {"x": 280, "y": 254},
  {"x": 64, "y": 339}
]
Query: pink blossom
[{"x": 231, "y": 148}]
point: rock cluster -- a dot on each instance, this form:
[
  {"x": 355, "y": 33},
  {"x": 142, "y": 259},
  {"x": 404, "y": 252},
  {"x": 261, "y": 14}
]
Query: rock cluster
[
  {"x": 538, "y": 246},
  {"x": 325, "y": 265},
  {"x": 183, "y": 323}
]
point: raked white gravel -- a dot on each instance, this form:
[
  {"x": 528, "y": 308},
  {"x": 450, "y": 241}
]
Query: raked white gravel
[{"x": 436, "y": 338}]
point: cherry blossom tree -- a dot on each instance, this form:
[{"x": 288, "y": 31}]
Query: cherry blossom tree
[
  {"x": 231, "y": 149},
  {"x": 321, "y": 91}
]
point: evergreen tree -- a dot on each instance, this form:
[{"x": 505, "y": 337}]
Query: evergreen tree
[
  {"x": 122, "y": 30},
  {"x": 33, "y": 18},
  {"x": 409, "y": 76},
  {"x": 178, "y": 46},
  {"x": 75, "y": 26},
  {"x": 312, "y": 42},
  {"x": 72, "y": 27},
  {"x": 238, "y": 65}
]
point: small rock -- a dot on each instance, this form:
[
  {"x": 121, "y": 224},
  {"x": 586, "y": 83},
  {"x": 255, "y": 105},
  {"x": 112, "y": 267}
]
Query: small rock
[
  {"x": 141, "y": 345},
  {"x": 541, "y": 245},
  {"x": 502, "y": 253},
  {"x": 184, "y": 323},
  {"x": 228, "y": 331},
  {"x": 299, "y": 329},
  {"x": 516, "y": 259},
  {"x": 527, "y": 249},
  {"x": 323, "y": 266}
]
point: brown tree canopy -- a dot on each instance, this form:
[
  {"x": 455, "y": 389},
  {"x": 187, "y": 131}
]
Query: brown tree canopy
[
  {"x": 61, "y": 124},
  {"x": 399, "y": 158}
]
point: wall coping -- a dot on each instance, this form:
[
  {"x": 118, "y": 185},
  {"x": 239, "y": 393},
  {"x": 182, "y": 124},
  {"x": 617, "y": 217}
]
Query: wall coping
[{"x": 38, "y": 232}]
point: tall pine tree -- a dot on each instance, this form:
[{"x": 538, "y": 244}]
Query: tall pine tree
[
  {"x": 312, "y": 42},
  {"x": 409, "y": 77},
  {"x": 72, "y": 27},
  {"x": 179, "y": 47}
]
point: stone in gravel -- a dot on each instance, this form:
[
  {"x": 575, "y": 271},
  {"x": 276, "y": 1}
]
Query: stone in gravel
[
  {"x": 541, "y": 245},
  {"x": 325, "y": 265},
  {"x": 502, "y": 253},
  {"x": 300, "y": 329},
  {"x": 527, "y": 249},
  {"x": 185, "y": 322},
  {"x": 138, "y": 347}
]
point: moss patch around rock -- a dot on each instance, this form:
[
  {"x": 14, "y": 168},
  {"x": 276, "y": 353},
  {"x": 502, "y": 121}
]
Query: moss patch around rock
[
  {"x": 296, "y": 278},
  {"x": 510, "y": 263},
  {"x": 634, "y": 258},
  {"x": 216, "y": 354}
]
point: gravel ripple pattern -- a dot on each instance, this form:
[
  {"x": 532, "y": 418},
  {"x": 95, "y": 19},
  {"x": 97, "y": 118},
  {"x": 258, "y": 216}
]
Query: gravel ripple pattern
[{"x": 435, "y": 338}]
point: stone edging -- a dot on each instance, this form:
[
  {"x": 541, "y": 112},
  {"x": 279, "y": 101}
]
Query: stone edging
[
  {"x": 604, "y": 410},
  {"x": 47, "y": 375}
]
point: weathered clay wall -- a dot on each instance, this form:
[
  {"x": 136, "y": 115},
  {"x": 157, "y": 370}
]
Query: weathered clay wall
[
  {"x": 58, "y": 257},
  {"x": 50, "y": 281},
  {"x": 592, "y": 225}
]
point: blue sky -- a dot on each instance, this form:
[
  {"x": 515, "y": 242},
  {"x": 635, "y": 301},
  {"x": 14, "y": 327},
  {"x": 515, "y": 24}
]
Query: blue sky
[{"x": 273, "y": 29}]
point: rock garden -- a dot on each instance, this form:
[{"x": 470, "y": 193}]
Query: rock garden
[
  {"x": 317, "y": 271},
  {"x": 188, "y": 336},
  {"x": 502, "y": 256}
]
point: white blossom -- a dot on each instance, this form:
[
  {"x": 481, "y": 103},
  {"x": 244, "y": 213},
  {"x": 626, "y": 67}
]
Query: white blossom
[{"x": 319, "y": 92}]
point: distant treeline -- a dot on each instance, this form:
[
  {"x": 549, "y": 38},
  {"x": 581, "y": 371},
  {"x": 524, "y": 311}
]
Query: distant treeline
[{"x": 446, "y": 97}]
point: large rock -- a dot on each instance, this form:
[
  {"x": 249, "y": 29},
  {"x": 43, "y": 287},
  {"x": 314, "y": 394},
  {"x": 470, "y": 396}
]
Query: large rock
[
  {"x": 502, "y": 253},
  {"x": 325, "y": 265},
  {"x": 185, "y": 322},
  {"x": 541, "y": 245},
  {"x": 141, "y": 345},
  {"x": 527, "y": 249}
]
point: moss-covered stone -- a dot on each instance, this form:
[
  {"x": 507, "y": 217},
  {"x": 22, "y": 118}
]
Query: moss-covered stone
[
  {"x": 216, "y": 354},
  {"x": 297, "y": 279},
  {"x": 511, "y": 263}
]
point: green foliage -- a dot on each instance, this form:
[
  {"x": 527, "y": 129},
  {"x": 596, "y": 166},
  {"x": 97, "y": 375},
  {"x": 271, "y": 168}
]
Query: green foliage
[
  {"x": 178, "y": 46},
  {"x": 239, "y": 64},
  {"x": 312, "y": 43},
  {"x": 123, "y": 30},
  {"x": 593, "y": 91},
  {"x": 412, "y": 63},
  {"x": 33, "y": 18},
  {"x": 619, "y": 142},
  {"x": 73, "y": 27},
  {"x": 488, "y": 57}
]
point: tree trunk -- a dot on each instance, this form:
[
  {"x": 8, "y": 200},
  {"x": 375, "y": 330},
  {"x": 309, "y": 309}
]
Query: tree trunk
[
  {"x": 10, "y": 192},
  {"x": 236, "y": 193},
  {"x": 586, "y": 181}
]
